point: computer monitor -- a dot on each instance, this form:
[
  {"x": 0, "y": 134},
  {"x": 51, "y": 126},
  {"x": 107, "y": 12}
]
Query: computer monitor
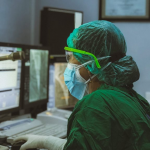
[
  {"x": 10, "y": 80},
  {"x": 59, "y": 95},
  {"x": 56, "y": 26},
  {"x": 35, "y": 77}
]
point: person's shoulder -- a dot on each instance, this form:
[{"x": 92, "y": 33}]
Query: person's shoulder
[
  {"x": 103, "y": 93},
  {"x": 98, "y": 97},
  {"x": 104, "y": 96}
]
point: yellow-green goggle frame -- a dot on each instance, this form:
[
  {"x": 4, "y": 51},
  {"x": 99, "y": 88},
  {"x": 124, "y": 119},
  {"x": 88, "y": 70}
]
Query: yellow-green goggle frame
[{"x": 83, "y": 52}]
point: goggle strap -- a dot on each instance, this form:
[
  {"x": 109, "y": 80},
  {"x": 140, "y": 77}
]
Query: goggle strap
[
  {"x": 90, "y": 78},
  {"x": 96, "y": 74},
  {"x": 86, "y": 63},
  {"x": 106, "y": 66}
]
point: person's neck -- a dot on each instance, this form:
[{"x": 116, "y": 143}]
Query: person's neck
[{"x": 93, "y": 86}]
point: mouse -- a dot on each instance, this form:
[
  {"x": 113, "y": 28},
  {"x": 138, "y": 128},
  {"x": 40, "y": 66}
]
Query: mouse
[{"x": 17, "y": 145}]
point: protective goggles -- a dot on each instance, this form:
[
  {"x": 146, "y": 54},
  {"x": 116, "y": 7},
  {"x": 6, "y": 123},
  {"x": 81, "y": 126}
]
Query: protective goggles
[{"x": 81, "y": 52}]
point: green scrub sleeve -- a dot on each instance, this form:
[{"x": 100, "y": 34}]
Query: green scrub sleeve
[
  {"x": 87, "y": 131},
  {"x": 110, "y": 118}
]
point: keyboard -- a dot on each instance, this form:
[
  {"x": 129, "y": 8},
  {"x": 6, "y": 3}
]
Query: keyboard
[
  {"x": 56, "y": 130},
  {"x": 12, "y": 129}
]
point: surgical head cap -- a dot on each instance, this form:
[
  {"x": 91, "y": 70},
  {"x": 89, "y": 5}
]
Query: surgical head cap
[{"x": 103, "y": 38}]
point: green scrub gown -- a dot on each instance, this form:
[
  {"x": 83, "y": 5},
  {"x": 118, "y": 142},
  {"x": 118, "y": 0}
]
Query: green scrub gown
[{"x": 111, "y": 118}]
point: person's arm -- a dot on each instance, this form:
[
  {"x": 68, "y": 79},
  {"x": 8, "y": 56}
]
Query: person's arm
[
  {"x": 90, "y": 129},
  {"x": 45, "y": 142},
  {"x": 97, "y": 123}
]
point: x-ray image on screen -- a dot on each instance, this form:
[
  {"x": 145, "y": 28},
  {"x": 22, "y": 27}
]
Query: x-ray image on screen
[{"x": 38, "y": 75}]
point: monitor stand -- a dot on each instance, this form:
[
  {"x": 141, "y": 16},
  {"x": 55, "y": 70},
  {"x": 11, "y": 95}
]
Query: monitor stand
[{"x": 54, "y": 115}]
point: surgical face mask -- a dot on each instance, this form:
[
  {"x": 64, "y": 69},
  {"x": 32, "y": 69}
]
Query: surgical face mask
[{"x": 75, "y": 83}]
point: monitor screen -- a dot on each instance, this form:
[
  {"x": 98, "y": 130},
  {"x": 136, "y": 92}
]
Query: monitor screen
[
  {"x": 35, "y": 75},
  {"x": 10, "y": 79},
  {"x": 59, "y": 95}
]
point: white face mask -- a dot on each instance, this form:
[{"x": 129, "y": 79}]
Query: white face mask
[
  {"x": 81, "y": 79},
  {"x": 76, "y": 84}
]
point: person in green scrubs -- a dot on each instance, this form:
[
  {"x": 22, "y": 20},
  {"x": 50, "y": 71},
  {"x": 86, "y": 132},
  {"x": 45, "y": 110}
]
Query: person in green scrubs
[
  {"x": 109, "y": 115},
  {"x": 112, "y": 116}
]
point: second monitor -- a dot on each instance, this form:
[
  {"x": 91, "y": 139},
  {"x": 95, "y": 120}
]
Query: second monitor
[{"x": 35, "y": 70}]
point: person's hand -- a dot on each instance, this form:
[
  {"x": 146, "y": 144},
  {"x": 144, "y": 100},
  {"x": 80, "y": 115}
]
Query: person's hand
[
  {"x": 32, "y": 141},
  {"x": 3, "y": 147},
  {"x": 43, "y": 142}
]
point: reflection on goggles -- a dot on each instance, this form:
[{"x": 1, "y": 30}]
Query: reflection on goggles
[{"x": 68, "y": 55}]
